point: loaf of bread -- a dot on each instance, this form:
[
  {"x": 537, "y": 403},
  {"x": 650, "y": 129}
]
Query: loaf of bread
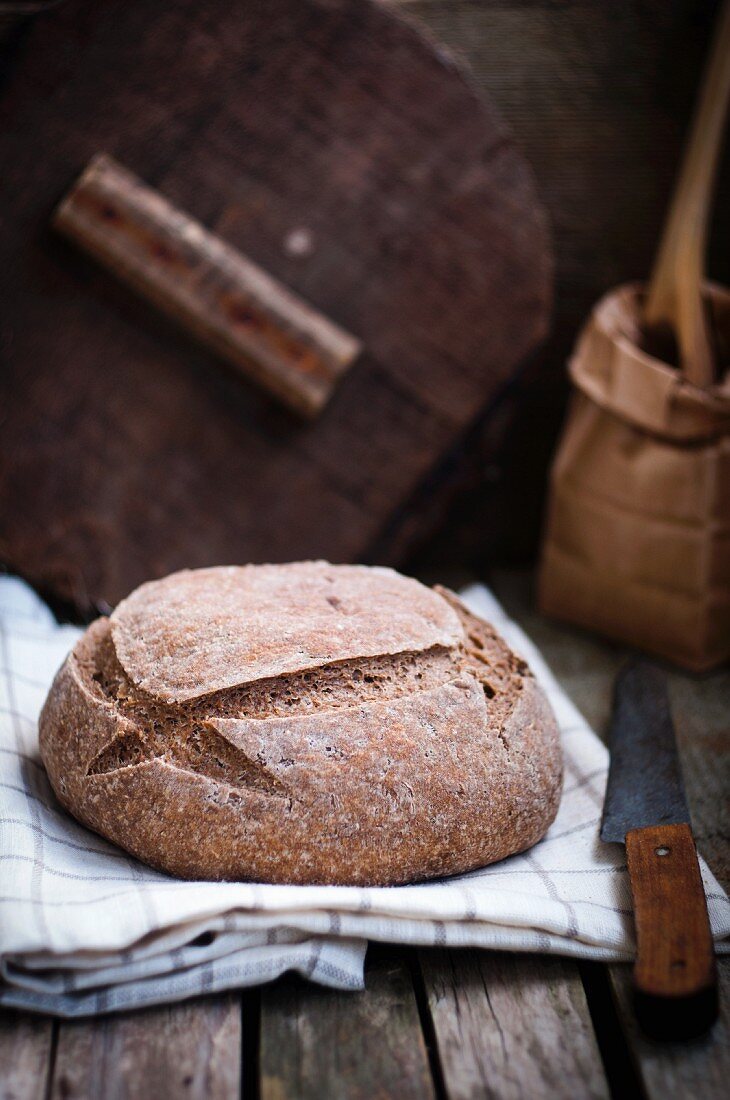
[{"x": 302, "y": 723}]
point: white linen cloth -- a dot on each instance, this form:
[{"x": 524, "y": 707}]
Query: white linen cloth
[{"x": 86, "y": 929}]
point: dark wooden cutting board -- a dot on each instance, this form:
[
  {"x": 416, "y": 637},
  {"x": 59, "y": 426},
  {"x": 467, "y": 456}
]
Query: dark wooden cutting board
[{"x": 350, "y": 158}]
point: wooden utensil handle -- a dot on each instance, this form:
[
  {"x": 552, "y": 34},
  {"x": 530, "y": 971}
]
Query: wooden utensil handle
[
  {"x": 675, "y": 975},
  {"x": 675, "y": 293},
  {"x": 216, "y": 293}
]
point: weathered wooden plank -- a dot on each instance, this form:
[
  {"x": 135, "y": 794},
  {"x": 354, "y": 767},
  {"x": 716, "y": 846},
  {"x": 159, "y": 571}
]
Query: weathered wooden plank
[
  {"x": 26, "y": 1043},
  {"x": 679, "y": 1071},
  {"x": 700, "y": 711},
  {"x": 190, "y": 1050},
  {"x": 511, "y": 1027},
  {"x": 320, "y": 1043}
]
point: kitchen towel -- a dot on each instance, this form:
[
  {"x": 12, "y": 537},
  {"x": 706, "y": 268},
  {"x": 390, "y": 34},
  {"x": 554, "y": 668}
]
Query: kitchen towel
[{"x": 86, "y": 929}]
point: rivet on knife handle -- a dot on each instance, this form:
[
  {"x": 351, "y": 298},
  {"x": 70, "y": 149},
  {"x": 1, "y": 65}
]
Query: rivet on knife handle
[
  {"x": 675, "y": 981},
  {"x": 228, "y": 302}
]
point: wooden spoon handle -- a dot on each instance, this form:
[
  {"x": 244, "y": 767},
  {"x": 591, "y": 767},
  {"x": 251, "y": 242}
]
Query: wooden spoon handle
[
  {"x": 675, "y": 976},
  {"x": 675, "y": 290}
]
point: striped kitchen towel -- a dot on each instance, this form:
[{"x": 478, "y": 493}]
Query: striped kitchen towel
[{"x": 86, "y": 929}]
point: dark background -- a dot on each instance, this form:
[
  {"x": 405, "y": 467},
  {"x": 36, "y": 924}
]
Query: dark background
[{"x": 599, "y": 96}]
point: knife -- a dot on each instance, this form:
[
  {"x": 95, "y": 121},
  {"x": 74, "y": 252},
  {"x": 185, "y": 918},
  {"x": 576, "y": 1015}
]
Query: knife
[{"x": 675, "y": 976}]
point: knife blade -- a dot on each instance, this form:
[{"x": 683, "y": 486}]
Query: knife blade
[{"x": 675, "y": 978}]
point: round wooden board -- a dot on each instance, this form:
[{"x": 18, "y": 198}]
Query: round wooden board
[{"x": 348, "y": 156}]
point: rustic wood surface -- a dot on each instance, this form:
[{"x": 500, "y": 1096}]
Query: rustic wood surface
[
  {"x": 316, "y": 1043},
  {"x": 453, "y": 1024},
  {"x": 501, "y": 1024},
  {"x": 675, "y": 1071},
  {"x": 340, "y": 150},
  {"x": 26, "y": 1049},
  {"x": 174, "y": 1051}
]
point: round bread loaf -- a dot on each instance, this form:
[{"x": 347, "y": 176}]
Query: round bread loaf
[{"x": 303, "y": 723}]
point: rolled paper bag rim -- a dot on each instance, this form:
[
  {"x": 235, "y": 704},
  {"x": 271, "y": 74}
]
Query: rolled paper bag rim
[{"x": 609, "y": 366}]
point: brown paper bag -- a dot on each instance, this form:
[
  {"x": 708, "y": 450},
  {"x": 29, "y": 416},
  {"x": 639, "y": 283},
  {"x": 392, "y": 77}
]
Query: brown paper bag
[{"x": 637, "y": 544}]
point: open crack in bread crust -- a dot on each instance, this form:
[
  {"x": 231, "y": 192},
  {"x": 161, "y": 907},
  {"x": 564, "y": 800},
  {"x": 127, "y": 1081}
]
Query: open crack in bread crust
[{"x": 371, "y": 769}]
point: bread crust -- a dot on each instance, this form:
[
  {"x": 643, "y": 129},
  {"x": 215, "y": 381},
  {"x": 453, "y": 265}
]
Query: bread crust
[{"x": 430, "y": 753}]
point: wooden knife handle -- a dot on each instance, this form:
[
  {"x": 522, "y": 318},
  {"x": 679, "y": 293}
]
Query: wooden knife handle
[{"x": 675, "y": 976}]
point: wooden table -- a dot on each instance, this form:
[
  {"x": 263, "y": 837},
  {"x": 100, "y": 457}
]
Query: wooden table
[{"x": 454, "y": 1024}]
